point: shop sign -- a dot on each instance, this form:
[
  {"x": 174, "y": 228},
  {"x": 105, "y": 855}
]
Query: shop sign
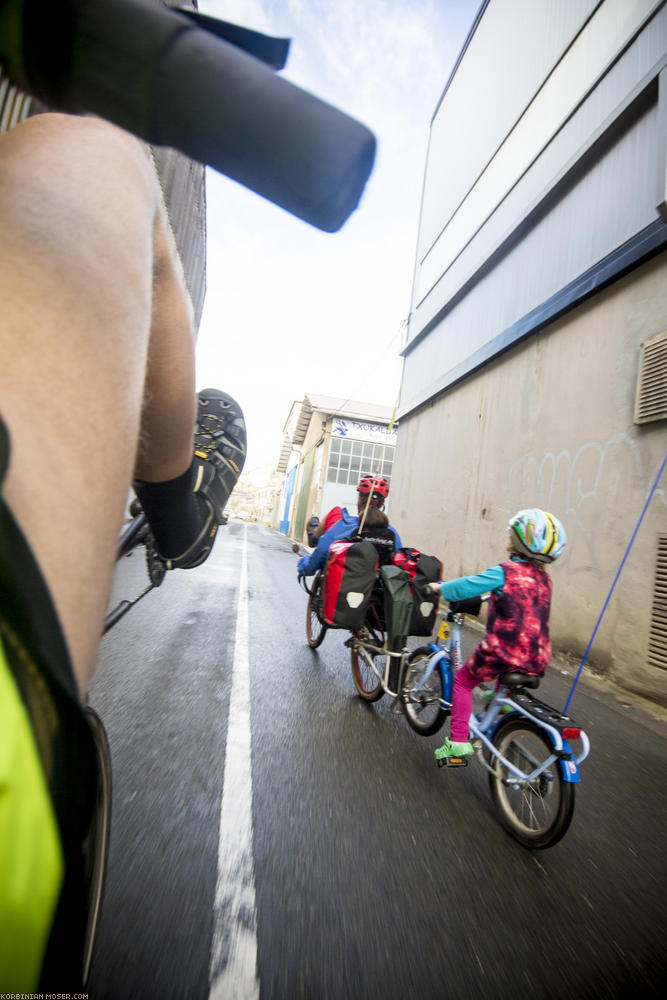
[{"x": 358, "y": 431}]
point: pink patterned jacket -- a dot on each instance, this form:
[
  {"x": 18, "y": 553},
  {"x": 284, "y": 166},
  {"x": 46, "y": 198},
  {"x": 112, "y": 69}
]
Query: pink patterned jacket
[{"x": 517, "y": 628}]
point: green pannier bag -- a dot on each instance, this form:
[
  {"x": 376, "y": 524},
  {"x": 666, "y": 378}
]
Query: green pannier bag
[{"x": 398, "y": 602}]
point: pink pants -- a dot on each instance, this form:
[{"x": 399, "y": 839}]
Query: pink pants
[{"x": 462, "y": 689}]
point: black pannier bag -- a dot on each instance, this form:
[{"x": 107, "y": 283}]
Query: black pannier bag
[
  {"x": 425, "y": 608},
  {"x": 422, "y": 570},
  {"x": 350, "y": 575},
  {"x": 397, "y": 601}
]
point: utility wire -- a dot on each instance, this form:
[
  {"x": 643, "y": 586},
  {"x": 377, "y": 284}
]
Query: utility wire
[
  {"x": 611, "y": 591},
  {"x": 389, "y": 347}
]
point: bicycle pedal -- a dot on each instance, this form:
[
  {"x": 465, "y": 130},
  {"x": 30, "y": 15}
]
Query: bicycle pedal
[{"x": 452, "y": 762}]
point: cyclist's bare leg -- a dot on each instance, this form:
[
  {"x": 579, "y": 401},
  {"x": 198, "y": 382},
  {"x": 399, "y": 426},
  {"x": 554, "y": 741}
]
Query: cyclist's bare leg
[
  {"x": 169, "y": 408},
  {"x": 92, "y": 312}
]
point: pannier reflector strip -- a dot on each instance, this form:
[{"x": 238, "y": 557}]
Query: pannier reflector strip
[{"x": 354, "y": 598}]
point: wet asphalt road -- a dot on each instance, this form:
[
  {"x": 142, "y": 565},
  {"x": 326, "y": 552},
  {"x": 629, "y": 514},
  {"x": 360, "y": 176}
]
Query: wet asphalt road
[{"x": 377, "y": 875}]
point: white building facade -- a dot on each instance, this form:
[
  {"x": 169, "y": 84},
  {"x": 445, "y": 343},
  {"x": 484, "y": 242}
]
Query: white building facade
[
  {"x": 329, "y": 443},
  {"x": 535, "y": 367}
]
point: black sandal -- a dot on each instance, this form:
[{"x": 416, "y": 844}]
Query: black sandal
[
  {"x": 220, "y": 452},
  {"x": 220, "y": 445}
]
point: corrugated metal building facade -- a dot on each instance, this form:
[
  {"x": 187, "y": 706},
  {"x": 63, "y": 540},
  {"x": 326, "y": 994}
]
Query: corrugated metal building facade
[{"x": 539, "y": 298}]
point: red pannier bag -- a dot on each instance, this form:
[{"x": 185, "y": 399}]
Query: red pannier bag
[
  {"x": 350, "y": 575},
  {"x": 422, "y": 570},
  {"x": 406, "y": 559}
]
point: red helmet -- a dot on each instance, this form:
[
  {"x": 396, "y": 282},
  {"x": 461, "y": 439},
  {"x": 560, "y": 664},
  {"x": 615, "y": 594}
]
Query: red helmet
[{"x": 376, "y": 486}]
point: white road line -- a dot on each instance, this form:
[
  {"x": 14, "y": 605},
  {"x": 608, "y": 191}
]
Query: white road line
[{"x": 233, "y": 969}]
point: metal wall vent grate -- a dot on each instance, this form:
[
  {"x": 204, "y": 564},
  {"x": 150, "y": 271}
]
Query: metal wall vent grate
[
  {"x": 651, "y": 400},
  {"x": 14, "y": 104},
  {"x": 657, "y": 640}
]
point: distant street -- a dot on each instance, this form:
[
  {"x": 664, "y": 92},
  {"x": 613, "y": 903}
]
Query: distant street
[{"x": 349, "y": 865}]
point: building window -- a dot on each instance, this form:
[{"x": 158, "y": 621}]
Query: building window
[{"x": 349, "y": 460}]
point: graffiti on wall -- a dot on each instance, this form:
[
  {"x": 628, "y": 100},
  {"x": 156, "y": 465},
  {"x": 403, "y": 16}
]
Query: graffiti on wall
[{"x": 598, "y": 492}]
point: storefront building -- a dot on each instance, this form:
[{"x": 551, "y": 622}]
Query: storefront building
[{"x": 329, "y": 443}]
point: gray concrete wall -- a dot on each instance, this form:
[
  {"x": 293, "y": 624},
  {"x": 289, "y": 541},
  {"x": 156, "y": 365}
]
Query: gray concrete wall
[{"x": 550, "y": 424}]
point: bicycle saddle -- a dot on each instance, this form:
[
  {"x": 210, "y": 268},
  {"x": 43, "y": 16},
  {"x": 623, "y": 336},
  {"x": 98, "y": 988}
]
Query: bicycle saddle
[{"x": 514, "y": 680}]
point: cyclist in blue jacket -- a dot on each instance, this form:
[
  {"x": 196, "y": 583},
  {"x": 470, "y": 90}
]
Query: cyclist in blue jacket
[{"x": 372, "y": 492}]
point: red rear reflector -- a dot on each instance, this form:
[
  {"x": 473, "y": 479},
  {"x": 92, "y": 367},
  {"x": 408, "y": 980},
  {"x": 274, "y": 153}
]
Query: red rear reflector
[{"x": 571, "y": 734}]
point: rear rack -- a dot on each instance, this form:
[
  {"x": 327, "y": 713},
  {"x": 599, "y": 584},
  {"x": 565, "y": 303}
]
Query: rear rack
[{"x": 542, "y": 711}]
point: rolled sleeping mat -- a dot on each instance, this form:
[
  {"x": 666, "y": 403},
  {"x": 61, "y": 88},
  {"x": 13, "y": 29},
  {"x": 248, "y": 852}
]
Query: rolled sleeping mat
[{"x": 163, "y": 75}]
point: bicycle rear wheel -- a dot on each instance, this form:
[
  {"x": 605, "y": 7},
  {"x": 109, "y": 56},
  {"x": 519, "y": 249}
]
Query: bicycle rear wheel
[
  {"x": 422, "y": 702},
  {"x": 362, "y": 661},
  {"x": 536, "y": 813},
  {"x": 366, "y": 681},
  {"x": 316, "y": 629}
]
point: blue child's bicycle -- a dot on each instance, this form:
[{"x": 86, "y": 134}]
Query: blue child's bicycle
[{"x": 523, "y": 743}]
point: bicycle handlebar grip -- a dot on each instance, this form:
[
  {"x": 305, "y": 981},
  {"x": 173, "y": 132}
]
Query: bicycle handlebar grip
[
  {"x": 467, "y": 606},
  {"x": 156, "y": 73}
]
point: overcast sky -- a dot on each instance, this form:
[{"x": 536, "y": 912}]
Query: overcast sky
[{"x": 289, "y": 309}]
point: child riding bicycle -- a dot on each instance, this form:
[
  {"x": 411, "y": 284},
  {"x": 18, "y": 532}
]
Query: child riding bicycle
[{"x": 517, "y": 627}]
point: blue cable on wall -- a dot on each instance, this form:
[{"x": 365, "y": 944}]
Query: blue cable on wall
[{"x": 618, "y": 573}]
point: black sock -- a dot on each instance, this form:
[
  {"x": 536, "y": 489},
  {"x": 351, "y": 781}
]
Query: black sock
[{"x": 176, "y": 514}]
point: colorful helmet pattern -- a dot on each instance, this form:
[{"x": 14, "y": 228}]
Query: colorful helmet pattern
[
  {"x": 376, "y": 486},
  {"x": 538, "y": 534}
]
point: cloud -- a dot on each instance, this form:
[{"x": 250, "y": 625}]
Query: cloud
[{"x": 289, "y": 309}]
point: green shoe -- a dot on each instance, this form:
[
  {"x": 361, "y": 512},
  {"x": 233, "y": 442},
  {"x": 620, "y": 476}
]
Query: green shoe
[
  {"x": 449, "y": 749},
  {"x": 488, "y": 696}
]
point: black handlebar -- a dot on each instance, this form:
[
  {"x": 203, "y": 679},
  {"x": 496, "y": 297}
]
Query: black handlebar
[
  {"x": 177, "y": 78},
  {"x": 469, "y": 606}
]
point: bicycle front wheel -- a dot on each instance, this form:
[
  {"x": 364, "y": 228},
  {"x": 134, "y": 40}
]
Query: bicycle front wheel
[
  {"x": 422, "y": 701},
  {"x": 96, "y": 846},
  {"x": 316, "y": 629},
  {"x": 537, "y": 813}
]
